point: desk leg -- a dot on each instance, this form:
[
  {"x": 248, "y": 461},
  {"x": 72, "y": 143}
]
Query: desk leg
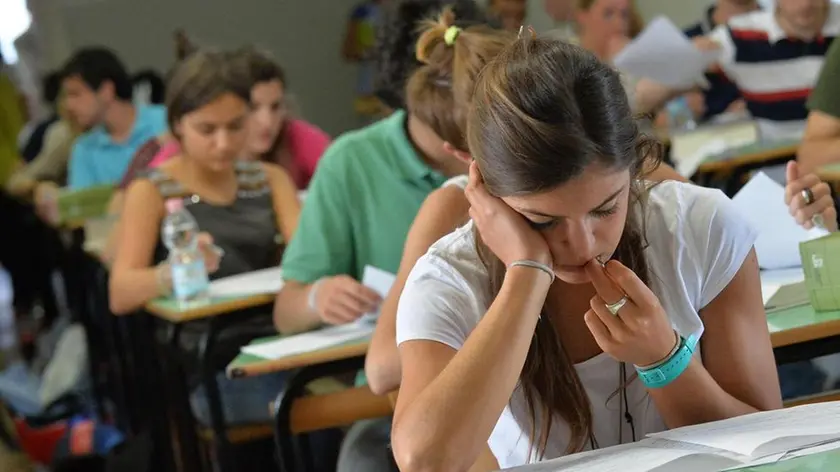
[
  {"x": 214, "y": 400},
  {"x": 185, "y": 425},
  {"x": 292, "y": 456},
  {"x": 151, "y": 382}
]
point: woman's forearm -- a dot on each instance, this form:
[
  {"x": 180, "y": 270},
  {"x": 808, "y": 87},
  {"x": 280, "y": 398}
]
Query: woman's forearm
[
  {"x": 681, "y": 402},
  {"x": 131, "y": 289},
  {"x": 382, "y": 362},
  {"x": 477, "y": 382}
]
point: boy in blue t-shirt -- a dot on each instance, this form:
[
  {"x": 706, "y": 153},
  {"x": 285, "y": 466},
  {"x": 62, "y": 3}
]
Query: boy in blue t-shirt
[{"x": 97, "y": 90}]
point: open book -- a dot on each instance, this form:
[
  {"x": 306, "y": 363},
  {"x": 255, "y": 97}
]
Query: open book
[{"x": 750, "y": 440}]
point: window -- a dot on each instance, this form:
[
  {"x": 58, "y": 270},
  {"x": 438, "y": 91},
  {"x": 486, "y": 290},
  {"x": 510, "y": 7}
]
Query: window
[{"x": 14, "y": 21}]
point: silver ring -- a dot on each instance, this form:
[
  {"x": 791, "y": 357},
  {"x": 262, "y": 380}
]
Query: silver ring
[
  {"x": 808, "y": 196},
  {"x": 614, "y": 307}
]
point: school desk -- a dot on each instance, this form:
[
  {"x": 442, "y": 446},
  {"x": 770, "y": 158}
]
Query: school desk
[
  {"x": 730, "y": 168},
  {"x": 761, "y": 153},
  {"x": 800, "y": 333},
  {"x": 218, "y": 313}
]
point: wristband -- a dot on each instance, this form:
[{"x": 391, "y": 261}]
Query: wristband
[
  {"x": 533, "y": 265},
  {"x": 669, "y": 370},
  {"x": 313, "y": 292}
]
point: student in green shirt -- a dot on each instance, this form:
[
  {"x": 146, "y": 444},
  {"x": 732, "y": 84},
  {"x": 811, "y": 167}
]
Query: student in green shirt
[
  {"x": 821, "y": 142},
  {"x": 369, "y": 186}
]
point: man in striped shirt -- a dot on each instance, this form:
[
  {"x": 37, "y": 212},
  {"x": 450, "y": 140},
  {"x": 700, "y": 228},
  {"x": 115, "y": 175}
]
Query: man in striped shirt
[{"x": 774, "y": 58}]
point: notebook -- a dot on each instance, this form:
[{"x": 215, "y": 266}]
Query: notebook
[{"x": 730, "y": 444}]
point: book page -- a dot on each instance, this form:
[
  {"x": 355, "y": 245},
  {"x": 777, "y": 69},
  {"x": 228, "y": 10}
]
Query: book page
[
  {"x": 258, "y": 282},
  {"x": 643, "y": 456},
  {"x": 779, "y": 430}
]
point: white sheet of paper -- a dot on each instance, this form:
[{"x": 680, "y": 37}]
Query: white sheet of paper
[
  {"x": 380, "y": 281},
  {"x": 643, "y": 456},
  {"x": 762, "y": 203},
  {"x": 257, "y": 282},
  {"x": 664, "y": 54},
  {"x": 310, "y": 341},
  {"x": 787, "y": 429}
]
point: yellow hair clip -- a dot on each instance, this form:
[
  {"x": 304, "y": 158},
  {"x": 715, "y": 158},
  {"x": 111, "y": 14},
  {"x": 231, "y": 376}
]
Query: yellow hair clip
[{"x": 451, "y": 35}]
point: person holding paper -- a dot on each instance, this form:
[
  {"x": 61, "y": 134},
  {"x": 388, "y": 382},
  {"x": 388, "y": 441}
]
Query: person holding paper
[
  {"x": 365, "y": 194},
  {"x": 605, "y": 27},
  {"x": 774, "y": 57},
  {"x": 514, "y": 336}
]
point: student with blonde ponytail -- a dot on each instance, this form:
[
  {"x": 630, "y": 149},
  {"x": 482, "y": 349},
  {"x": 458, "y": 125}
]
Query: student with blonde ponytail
[{"x": 582, "y": 307}]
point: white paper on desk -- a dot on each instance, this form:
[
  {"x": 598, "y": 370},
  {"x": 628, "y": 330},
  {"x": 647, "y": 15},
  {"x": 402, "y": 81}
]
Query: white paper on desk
[
  {"x": 762, "y": 203},
  {"x": 380, "y": 281},
  {"x": 665, "y": 55},
  {"x": 310, "y": 341},
  {"x": 258, "y": 282},
  {"x": 766, "y": 432},
  {"x": 644, "y": 456}
]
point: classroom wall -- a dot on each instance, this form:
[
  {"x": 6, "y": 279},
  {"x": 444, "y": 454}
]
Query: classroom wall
[
  {"x": 305, "y": 35},
  {"x": 681, "y": 12}
]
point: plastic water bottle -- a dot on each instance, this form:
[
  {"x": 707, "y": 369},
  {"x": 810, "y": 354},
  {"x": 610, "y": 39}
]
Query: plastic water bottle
[
  {"x": 180, "y": 235},
  {"x": 680, "y": 116}
]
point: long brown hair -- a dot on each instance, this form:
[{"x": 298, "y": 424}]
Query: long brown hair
[
  {"x": 543, "y": 111},
  {"x": 261, "y": 68},
  {"x": 438, "y": 93}
]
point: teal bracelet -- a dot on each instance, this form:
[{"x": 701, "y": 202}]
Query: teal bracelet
[{"x": 668, "y": 371}]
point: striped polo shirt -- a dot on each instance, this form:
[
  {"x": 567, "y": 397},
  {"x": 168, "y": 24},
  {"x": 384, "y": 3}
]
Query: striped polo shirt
[{"x": 774, "y": 73}]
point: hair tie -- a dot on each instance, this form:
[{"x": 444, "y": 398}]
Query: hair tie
[{"x": 451, "y": 35}]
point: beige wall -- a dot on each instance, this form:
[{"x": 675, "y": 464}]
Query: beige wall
[{"x": 305, "y": 35}]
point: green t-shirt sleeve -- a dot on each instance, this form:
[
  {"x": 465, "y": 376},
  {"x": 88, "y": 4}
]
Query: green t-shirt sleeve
[
  {"x": 322, "y": 244},
  {"x": 826, "y": 95}
]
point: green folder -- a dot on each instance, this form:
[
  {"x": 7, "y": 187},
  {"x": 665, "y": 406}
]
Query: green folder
[
  {"x": 79, "y": 205},
  {"x": 821, "y": 264}
]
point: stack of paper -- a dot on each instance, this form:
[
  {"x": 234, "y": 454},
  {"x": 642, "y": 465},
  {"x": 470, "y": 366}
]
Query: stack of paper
[
  {"x": 309, "y": 342},
  {"x": 762, "y": 204},
  {"x": 665, "y": 55},
  {"x": 258, "y": 282}
]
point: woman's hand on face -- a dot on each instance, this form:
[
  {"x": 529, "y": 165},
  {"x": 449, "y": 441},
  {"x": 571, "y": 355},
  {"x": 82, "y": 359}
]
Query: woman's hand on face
[
  {"x": 502, "y": 229},
  {"x": 212, "y": 254},
  {"x": 821, "y": 208},
  {"x": 640, "y": 332}
]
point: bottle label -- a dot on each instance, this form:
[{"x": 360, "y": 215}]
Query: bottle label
[{"x": 189, "y": 279}]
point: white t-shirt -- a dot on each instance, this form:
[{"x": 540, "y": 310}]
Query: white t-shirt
[{"x": 696, "y": 244}]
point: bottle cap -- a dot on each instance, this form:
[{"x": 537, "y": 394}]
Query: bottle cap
[{"x": 174, "y": 204}]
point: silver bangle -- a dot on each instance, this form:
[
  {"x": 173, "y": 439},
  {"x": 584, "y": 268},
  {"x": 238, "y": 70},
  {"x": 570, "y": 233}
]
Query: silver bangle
[
  {"x": 533, "y": 265},
  {"x": 313, "y": 292}
]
